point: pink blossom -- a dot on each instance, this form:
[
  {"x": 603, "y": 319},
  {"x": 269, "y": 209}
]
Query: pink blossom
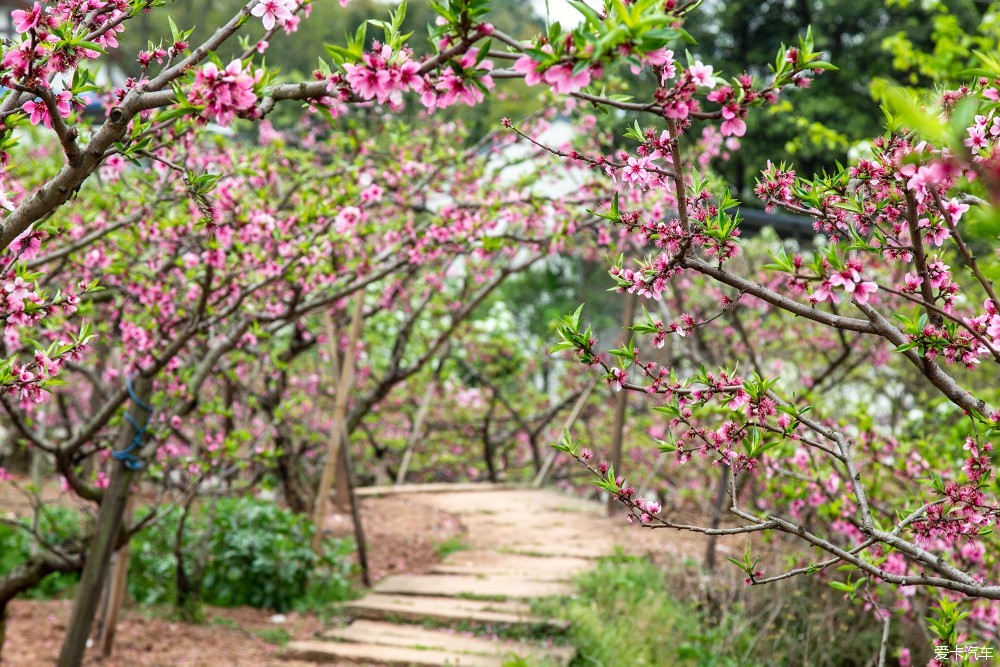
[
  {"x": 734, "y": 127},
  {"x": 27, "y": 19},
  {"x": 347, "y": 219},
  {"x": 372, "y": 193},
  {"x": 677, "y": 109},
  {"x": 634, "y": 172},
  {"x": 738, "y": 401},
  {"x": 26, "y": 246},
  {"x": 274, "y": 12},
  {"x": 936, "y": 233},
  {"x": 617, "y": 379},
  {"x": 38, "y": 113},
  {"x": 977, "y": 138},
  {"x": 701, "y": 74},
  {"x": 292, "y": 24},
  {"x": 564, "y": 81},
  {"x": 824, "y": 293},
  {"x": 17, "y": 292},
  {"x": 912, "y": 282},
  {"x": 665, "y": 59},
  {"x": 529, "y": 68},
  {"x": 384, "y": 75},
  {"x": 972, "y": 551},
  {"x": 850, "y": 279},
  {"x": 864, "y": 290},
  {"x": 993, "y": 330},
  {"x": 955, "y": 209}
]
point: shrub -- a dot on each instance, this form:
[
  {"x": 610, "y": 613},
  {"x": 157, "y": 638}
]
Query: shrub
[
  {"x": 258, "y": 555},
  {"x": 57, "y": 525}
]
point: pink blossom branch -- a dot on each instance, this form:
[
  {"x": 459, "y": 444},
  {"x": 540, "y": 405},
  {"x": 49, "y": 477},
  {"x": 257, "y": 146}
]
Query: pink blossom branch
[
  {"x": 944, "y": 382},
  {"x": 970, "y": 259}
]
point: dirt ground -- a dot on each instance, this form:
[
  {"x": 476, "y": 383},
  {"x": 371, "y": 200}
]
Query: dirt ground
[
  {"x": 402, "y": 538},
  {"x": 402, "y": 534}
]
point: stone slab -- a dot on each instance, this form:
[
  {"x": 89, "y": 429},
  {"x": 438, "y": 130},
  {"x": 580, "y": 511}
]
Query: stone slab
[
  {"x": 455, "y": 585},
  {"x": 367, "y": 654},
  {"x": 374, "y": 491},
  {"x": 380, "y": 607},
  {"x": 415, "y": 636}
]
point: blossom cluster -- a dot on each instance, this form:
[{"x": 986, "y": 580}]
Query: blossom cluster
[{"x": 225, "y": 93}]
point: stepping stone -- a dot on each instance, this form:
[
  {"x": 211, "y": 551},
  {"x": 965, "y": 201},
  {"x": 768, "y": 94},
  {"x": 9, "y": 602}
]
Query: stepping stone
[
  {"x": 443, "y": 585},
  {"x": 415, "y": 636},
  {"x": 383, "y": 607},
  {"x": 368, "y": 654},
  {"x": 561, "y": 550},
  {"x": 444, "y": 487},
  {"x": 491, "y": 563}
]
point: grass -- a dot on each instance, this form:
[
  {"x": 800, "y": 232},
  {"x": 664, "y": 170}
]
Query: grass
[
  {"x": 478, "y": 597},
  {"x": 225, "y": 621},
  {"x": 450, "y": 546},
  {"x": 275, "y": 636},
  {"x": 505, "y": 631},
  {"x": 629, "y": 612},
  {"x": 624, "y": 615}
]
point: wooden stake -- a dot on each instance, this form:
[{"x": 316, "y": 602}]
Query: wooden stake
[
  {"x": 618, "y": 431},
  {"x": 359, "y": 533},
  {"x": 573, "y": 416},
  {"x": 416, "y": 432},
  {"x": 651, "y": 477},
  {"x": 117, "y": 586},
  {"x": 339, "y": 422}
]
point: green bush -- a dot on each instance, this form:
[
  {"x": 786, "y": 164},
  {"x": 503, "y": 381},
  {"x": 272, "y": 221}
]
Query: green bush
[
  {"x": 258, "y": 555},
  {"x": 57, "y": 525},
  {"x": 152, "y": 568}
]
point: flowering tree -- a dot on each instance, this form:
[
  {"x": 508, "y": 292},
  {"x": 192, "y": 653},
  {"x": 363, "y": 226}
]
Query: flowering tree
[
  {"x": 213, "y": 280},
  {"x": 227, "y": 257},
  {"x": 185, "y": 293},
  {"x": 892, "y": 225}
]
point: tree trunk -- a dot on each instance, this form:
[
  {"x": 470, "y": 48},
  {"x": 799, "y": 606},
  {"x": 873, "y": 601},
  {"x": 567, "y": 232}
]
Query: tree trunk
[
  {"x": 25, "y": 576},
  {"x": 109, "y": 523},
  {"x": 297, "y": 495}
]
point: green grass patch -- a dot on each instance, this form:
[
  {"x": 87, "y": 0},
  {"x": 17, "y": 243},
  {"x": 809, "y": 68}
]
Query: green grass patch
[
  {"x": 629, "y": 612},
  {"x": 275, "y": 636},
  {"x": 450, "y": 546}
]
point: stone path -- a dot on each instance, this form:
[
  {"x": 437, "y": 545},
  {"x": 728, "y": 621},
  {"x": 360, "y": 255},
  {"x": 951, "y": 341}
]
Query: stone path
[{"x": 523, "y": 544}]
